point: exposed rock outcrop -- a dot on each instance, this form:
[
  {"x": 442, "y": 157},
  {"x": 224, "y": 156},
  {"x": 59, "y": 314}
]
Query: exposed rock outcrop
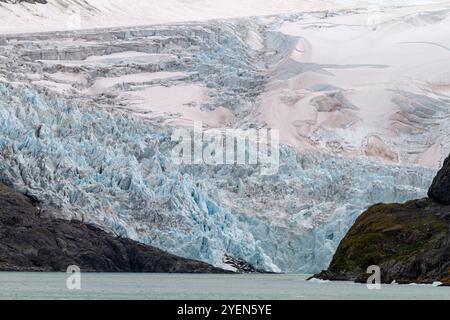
[
  {"x": 440, "y": 188},
  {"x": 241, "y": 266},
  {"x": 29, "y": 242},
  {"x": 410, "y": 242}
]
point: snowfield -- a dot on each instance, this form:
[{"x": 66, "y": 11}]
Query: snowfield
[
  {"x": 58, "y": 15},
  {"x": 361, "y": 97}
]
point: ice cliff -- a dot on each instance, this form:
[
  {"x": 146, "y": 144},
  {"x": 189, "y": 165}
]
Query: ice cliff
[{"x": 115, "y": 170}]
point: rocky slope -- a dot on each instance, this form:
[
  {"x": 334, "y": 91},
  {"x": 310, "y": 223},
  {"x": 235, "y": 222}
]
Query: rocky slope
[
  {"x": 57, "y": 15},
  {"x": 29, "y": 242},
  {"x": 410, "y": 242}
]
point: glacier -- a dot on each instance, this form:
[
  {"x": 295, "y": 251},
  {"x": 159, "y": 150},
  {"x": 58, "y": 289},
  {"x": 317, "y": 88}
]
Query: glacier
[
  {"x": 86, "y": 131},
  {"x": 115, "y": 170}
]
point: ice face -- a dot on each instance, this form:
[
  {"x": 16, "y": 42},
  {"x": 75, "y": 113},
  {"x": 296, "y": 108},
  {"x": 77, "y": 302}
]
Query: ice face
[
  {"x": 115, "y": 170},
  {"x": 85, "y": 127}
]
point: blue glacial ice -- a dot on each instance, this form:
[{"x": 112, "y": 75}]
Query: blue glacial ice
[{"x": 115, "y": 170}]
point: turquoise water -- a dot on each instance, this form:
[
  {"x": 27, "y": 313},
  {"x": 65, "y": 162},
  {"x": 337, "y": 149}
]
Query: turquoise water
[{"x": 205, "y": 286}]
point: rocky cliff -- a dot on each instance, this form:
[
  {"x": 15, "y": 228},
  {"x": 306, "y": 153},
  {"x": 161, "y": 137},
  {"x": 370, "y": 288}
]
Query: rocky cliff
[
  {"x": 29, "y": 242},
  {"x": 410, "y": 242}
]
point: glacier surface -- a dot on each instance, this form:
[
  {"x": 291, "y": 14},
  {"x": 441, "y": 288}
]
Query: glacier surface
[{"x": 115, "y": 170}]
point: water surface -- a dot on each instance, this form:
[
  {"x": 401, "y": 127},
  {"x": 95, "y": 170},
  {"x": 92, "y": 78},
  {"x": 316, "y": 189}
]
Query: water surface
[{"x": 200, "y": 286}]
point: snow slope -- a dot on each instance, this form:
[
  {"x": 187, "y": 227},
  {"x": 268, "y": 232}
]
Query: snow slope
[
  {"x": 72, "y": 14},
  {"x": 362, "y": 87}
]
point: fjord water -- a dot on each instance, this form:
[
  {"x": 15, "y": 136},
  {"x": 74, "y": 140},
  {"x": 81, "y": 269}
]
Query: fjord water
[{"x": 201, "y": 286}]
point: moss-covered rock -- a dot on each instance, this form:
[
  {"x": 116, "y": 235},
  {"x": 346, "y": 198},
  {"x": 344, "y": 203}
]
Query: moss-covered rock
[{"x": 410, "y": 242}]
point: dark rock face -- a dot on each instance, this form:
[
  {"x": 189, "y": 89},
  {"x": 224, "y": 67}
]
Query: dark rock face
[
  {"x": 240, "y": 265},
  {"x": 409, "y": 242},
  {"x": 32, "y": 243},
  {"x": 440, "y": 188}
]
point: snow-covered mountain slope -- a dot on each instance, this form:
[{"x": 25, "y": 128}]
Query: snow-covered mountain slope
[
  {"x": 361, "y": 84},
  {"x": 58, "y": 15},
  {"x": 359, "y": 97},
  {"x": 72, "y": 14}
]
